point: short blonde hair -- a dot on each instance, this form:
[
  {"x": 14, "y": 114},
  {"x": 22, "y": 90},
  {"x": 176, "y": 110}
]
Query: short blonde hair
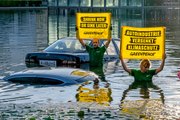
[{"x": 146, "y": 63}]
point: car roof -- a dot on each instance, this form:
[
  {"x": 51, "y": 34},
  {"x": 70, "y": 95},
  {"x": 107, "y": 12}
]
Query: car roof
[
  {"x": 48, "y": 71},
  {"x": 68, "y": 38},
  {"x": 67, "y": 75},
  {"x": 74, "y": 38}
]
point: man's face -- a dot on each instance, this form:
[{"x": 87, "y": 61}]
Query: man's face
[{"x": 95, "y": 43}]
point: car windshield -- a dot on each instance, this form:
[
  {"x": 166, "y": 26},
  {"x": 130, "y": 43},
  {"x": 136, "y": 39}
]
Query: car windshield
[{"x": 69, "y": 46}]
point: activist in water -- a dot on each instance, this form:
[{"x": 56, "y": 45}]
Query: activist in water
[
  {"x": 144, "y": 73},
  {"x": 96, "y": 53}
]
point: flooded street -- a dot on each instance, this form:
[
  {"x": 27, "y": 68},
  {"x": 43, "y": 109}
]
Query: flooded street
[{"x": 25, "y": 31}]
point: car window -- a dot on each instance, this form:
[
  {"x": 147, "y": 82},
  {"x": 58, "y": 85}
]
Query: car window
[
  {"x": 23, "y": 79},
  {"x": 78, "y": 46},
  {"x": 35, "y": 80},
  {"x": 49, "y": 81},
  {"x": 118, "y": 44},
  {"x": 60, "y": 46},
  {"x": 111, "y": 49},
  {"x": 75, "y": 46},
  {"x": 55, "y": 47},
  {"x": 70, "y": 46}
]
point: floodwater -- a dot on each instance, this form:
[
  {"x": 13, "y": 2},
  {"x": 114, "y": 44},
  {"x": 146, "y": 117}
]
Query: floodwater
[{"x": 24, "y": 31}]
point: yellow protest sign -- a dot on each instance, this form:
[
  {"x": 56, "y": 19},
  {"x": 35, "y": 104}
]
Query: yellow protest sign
[
  {"x": 93, "y": 25},
  {"x": 141, "y": 43}
]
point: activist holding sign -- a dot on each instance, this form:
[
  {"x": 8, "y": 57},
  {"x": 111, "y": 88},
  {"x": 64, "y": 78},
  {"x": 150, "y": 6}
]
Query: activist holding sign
[
  {"x": 94, "y": 26},
  {"x": 96, "y": 53},
  {"x": 143, "y": 43},
  {"x": 144, "y": 73}
]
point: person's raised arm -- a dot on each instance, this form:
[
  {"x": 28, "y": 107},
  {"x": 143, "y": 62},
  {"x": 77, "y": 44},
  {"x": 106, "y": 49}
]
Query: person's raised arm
[
  {"x": 108, "y": 42},
  {"x": 124, "y": 65},
  {"x": 162, "y": 65},
  {"x": 82, "y": 42}
]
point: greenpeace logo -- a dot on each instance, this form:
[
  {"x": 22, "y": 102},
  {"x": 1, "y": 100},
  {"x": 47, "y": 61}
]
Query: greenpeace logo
[{"x": 93, "y": 33}]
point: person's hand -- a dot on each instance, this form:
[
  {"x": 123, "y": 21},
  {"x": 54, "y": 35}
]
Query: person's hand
[
  {"x": 164, "y": 56},
  {"x": 76, "y": 28},
  {"x": 96, "y": 81}
]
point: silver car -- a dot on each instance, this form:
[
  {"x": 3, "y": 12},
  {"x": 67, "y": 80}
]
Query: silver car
[{"x": 51, "y": 76}]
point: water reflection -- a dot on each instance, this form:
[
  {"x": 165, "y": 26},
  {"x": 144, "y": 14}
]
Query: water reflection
[
  {"x": 94, "y": 93},
  {"x": 21, "y": 32},
  {"x": 143, "y": 102},
  {"x": 100, "y": 90}
]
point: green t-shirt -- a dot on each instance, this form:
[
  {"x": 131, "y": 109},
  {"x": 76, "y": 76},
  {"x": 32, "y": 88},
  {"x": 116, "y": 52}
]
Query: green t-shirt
[
  {"x": 96, "y": 55},
  {"x": 140, "y": 76}
]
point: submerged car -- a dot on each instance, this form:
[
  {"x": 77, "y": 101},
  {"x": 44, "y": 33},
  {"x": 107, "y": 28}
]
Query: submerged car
[
  {"x": 69, "y": 51},
  {"x": 51, "y": 76}
]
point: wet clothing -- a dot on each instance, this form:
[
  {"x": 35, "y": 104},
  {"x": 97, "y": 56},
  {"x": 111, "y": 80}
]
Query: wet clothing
[
  {"x": 99, "y": 71},
  {"x": 96, "y": 55},
  {"x": 140, "y": 76}
]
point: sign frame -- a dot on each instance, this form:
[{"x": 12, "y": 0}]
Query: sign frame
[
  {"x": 93, "y": 25},
  {"x": 142, "y": 43}
]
